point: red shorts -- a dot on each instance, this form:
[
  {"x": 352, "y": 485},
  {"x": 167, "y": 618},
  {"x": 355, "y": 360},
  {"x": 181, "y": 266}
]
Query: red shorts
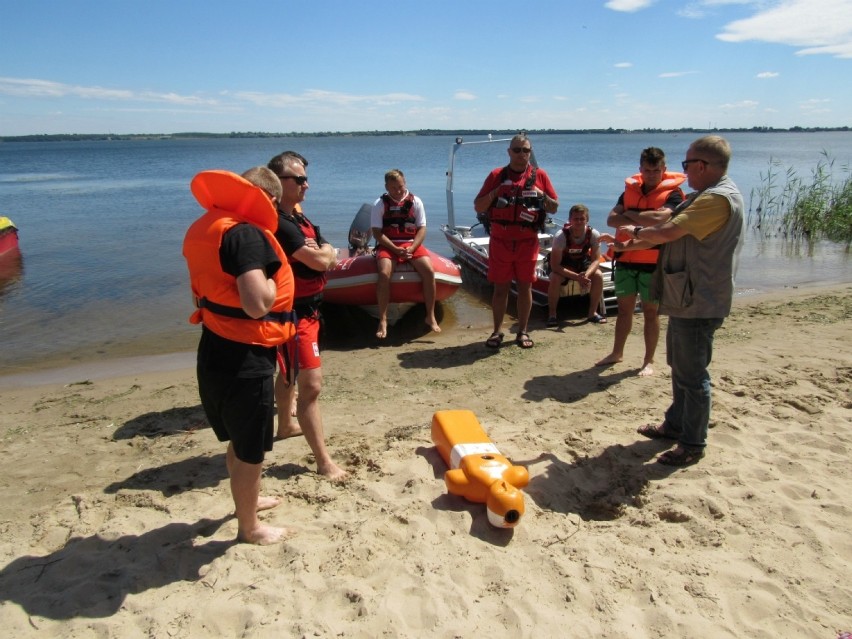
[
  {"x": 512, "y": 260},
  {"x": 383, "y": 253},
  {"x": 305, "y": 346}
]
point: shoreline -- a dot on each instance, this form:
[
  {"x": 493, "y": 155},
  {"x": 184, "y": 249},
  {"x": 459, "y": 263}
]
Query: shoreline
[{"x": 171, "y": 352}]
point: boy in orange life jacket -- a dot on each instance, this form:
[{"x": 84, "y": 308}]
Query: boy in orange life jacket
[
  {"x": 398, "y": 221},
  {"x": 576, "y": 256},
  {"x": 649, "y": 198},
  {"x": 244, "y": 291}
]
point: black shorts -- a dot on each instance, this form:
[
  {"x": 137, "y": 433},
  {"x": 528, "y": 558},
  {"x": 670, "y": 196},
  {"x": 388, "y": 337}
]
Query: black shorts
[{"x": 240, "y": 410}]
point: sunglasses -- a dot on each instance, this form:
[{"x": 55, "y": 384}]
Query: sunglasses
[
  {"x": 521, "y": 149},
  {"x": 685, "y": 164},
  {"x": 298, "y": 179}
]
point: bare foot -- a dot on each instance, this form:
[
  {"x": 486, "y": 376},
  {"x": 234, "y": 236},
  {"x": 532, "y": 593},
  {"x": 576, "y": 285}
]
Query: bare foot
[
  {"x": 647, "y": 370},
  {"x": 267, "y": 503},
  {"x": 612, "y": 358},
  {"x": 433, "y": 325},
  {"x": 333, "y": 472},
  {"x": 382, "y": 330},
  {"x": 288, "y": 431},
  {"x": 293, "y": 405},
  {"x": 263, "y": 536}
]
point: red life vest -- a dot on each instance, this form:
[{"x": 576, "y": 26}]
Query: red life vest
[
  {"x": 635, "y": 198},
  {"x": 398, "y": 222},
  {"x": 309, "y": 282},
  {"x": 577, "y": 257},
  {"x": 518, "y": 211},
  {"x": 231, "y": 200}
]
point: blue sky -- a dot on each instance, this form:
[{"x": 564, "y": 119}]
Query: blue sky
[{"x": 166, "y": 66}]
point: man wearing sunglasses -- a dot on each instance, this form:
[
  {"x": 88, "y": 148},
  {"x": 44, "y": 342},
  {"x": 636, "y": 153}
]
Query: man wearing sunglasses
[
  {"x": 515, "y": 200},
  {"x": 310, "y": 256},
  {"x": 694, "y": 281}
]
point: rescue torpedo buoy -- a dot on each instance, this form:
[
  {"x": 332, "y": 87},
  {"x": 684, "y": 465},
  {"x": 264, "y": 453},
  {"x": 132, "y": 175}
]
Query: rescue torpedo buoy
[{"x": 478, "y": 471}]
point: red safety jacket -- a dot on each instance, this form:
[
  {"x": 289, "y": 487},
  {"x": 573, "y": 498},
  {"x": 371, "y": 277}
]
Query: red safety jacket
[
  {"x": 518, "y": 208},
  {"x": 230, "y": 200},
  {"x": 576, "y": 257},
  {"x": 398, "y": 220}
]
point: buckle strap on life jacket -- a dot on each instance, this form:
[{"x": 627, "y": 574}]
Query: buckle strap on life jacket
[{"x": 282, "y": 317}]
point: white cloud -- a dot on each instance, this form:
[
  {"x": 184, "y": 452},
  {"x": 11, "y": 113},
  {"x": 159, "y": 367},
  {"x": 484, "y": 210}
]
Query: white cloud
[
  {"x": 31, "y": 88},
  {"x": 742, "y": 104},
  {"x": 675, "y": 74},
  {"x": 323, "y": 98},
  {"x": 628, "y": 6},
  {"x": 767, "y": 74},
  {"x": 623, "y": 65},
  {"x": 464, "y": 95},
  {"x": 819, "y": 26}
]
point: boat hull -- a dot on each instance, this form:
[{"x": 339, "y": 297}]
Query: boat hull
[
  {"x": 471, "y": 249},
  {"x": 353, "y": 281}
]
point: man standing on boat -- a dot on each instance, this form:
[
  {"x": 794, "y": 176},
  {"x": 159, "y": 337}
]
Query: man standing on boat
[
  {"x": 649, "y": 198},
  {"x": 515, "y": 200},
  {"x": 310, "y": 256},
  {"x": 398, "y": 221},
  {"x": 694, "y": 282}
]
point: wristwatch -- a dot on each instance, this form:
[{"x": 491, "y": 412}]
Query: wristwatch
[{"x": 636, "y": 230}]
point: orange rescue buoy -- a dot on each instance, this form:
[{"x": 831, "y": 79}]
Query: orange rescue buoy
[{"x": 478, "y": 471}]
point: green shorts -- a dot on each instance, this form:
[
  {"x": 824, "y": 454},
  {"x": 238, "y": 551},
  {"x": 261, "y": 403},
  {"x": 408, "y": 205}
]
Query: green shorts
[{"x": 629, "y": 281}]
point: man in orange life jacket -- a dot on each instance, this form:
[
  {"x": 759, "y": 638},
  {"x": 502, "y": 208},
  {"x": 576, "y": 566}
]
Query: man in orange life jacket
[
  {"x": 398, "y": 221},
  {"x": 310, "y": 256},
  {"x": 243, "y": 290},
  {"x": 515, "y": 199},
  {"x": 648, "y": 199}
]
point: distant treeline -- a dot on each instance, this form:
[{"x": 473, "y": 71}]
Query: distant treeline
[{"x": 420, "y": 132}]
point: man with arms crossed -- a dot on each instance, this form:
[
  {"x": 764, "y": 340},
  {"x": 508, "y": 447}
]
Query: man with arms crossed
[
  {"x": 649, "y": 198},
  {"x": 310, "y": 256}
]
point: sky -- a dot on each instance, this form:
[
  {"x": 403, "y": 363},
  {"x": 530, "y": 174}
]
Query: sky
[{"x": 169, "y": 66}]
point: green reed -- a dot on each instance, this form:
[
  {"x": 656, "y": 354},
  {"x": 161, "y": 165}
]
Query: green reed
[{"x": 788, "y": 206}]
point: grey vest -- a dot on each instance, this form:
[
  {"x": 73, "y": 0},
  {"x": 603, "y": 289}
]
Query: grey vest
[{"x": 695, "y": 279}]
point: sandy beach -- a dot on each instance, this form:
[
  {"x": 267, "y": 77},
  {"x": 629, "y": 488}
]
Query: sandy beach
[{"x": 116, "y": 515}]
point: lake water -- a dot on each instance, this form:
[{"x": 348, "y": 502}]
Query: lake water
[{"x": 101, "y": 223}]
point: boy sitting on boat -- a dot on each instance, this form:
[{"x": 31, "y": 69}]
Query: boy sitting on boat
[
  {"x": 576, "y": 255},
  {"x": 398, "y": 221}
]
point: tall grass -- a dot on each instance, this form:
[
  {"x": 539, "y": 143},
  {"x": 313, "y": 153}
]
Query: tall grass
[{"x": 800, "y": 210}]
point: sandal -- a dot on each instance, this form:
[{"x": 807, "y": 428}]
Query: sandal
[
  {"x": 597, "y": 318},
  {"x": 552, "y": 322},
  {"x": 681, "y": 456},
  {"x": 652, "y": 431},
  {"x": 523, "y": 340},
  {"x": 495, "y": 340}
]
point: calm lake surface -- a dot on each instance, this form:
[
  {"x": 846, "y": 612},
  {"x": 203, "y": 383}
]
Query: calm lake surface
[{"x": 101, "y": 223}]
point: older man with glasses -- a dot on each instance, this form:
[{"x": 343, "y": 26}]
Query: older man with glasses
[
  {"x": 514, "y": 200},
  {"x": 694, "y": 281}
]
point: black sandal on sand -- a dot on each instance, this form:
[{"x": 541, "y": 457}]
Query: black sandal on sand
[
  {"x": 523, "y": 340},
  {"x": 552, "y": 322},
  {"x": 680, "y": 457},
  {"x": 655, "y": 432},
  {"x": 597, "y": 318},
  {"x": 495, "y": 340}
]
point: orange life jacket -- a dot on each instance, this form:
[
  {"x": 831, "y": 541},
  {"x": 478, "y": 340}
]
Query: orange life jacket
[
  {"x": 231, "y": 200},
  {"x": 634, "y": 198},
  {"x": 398, "y": 220}
]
